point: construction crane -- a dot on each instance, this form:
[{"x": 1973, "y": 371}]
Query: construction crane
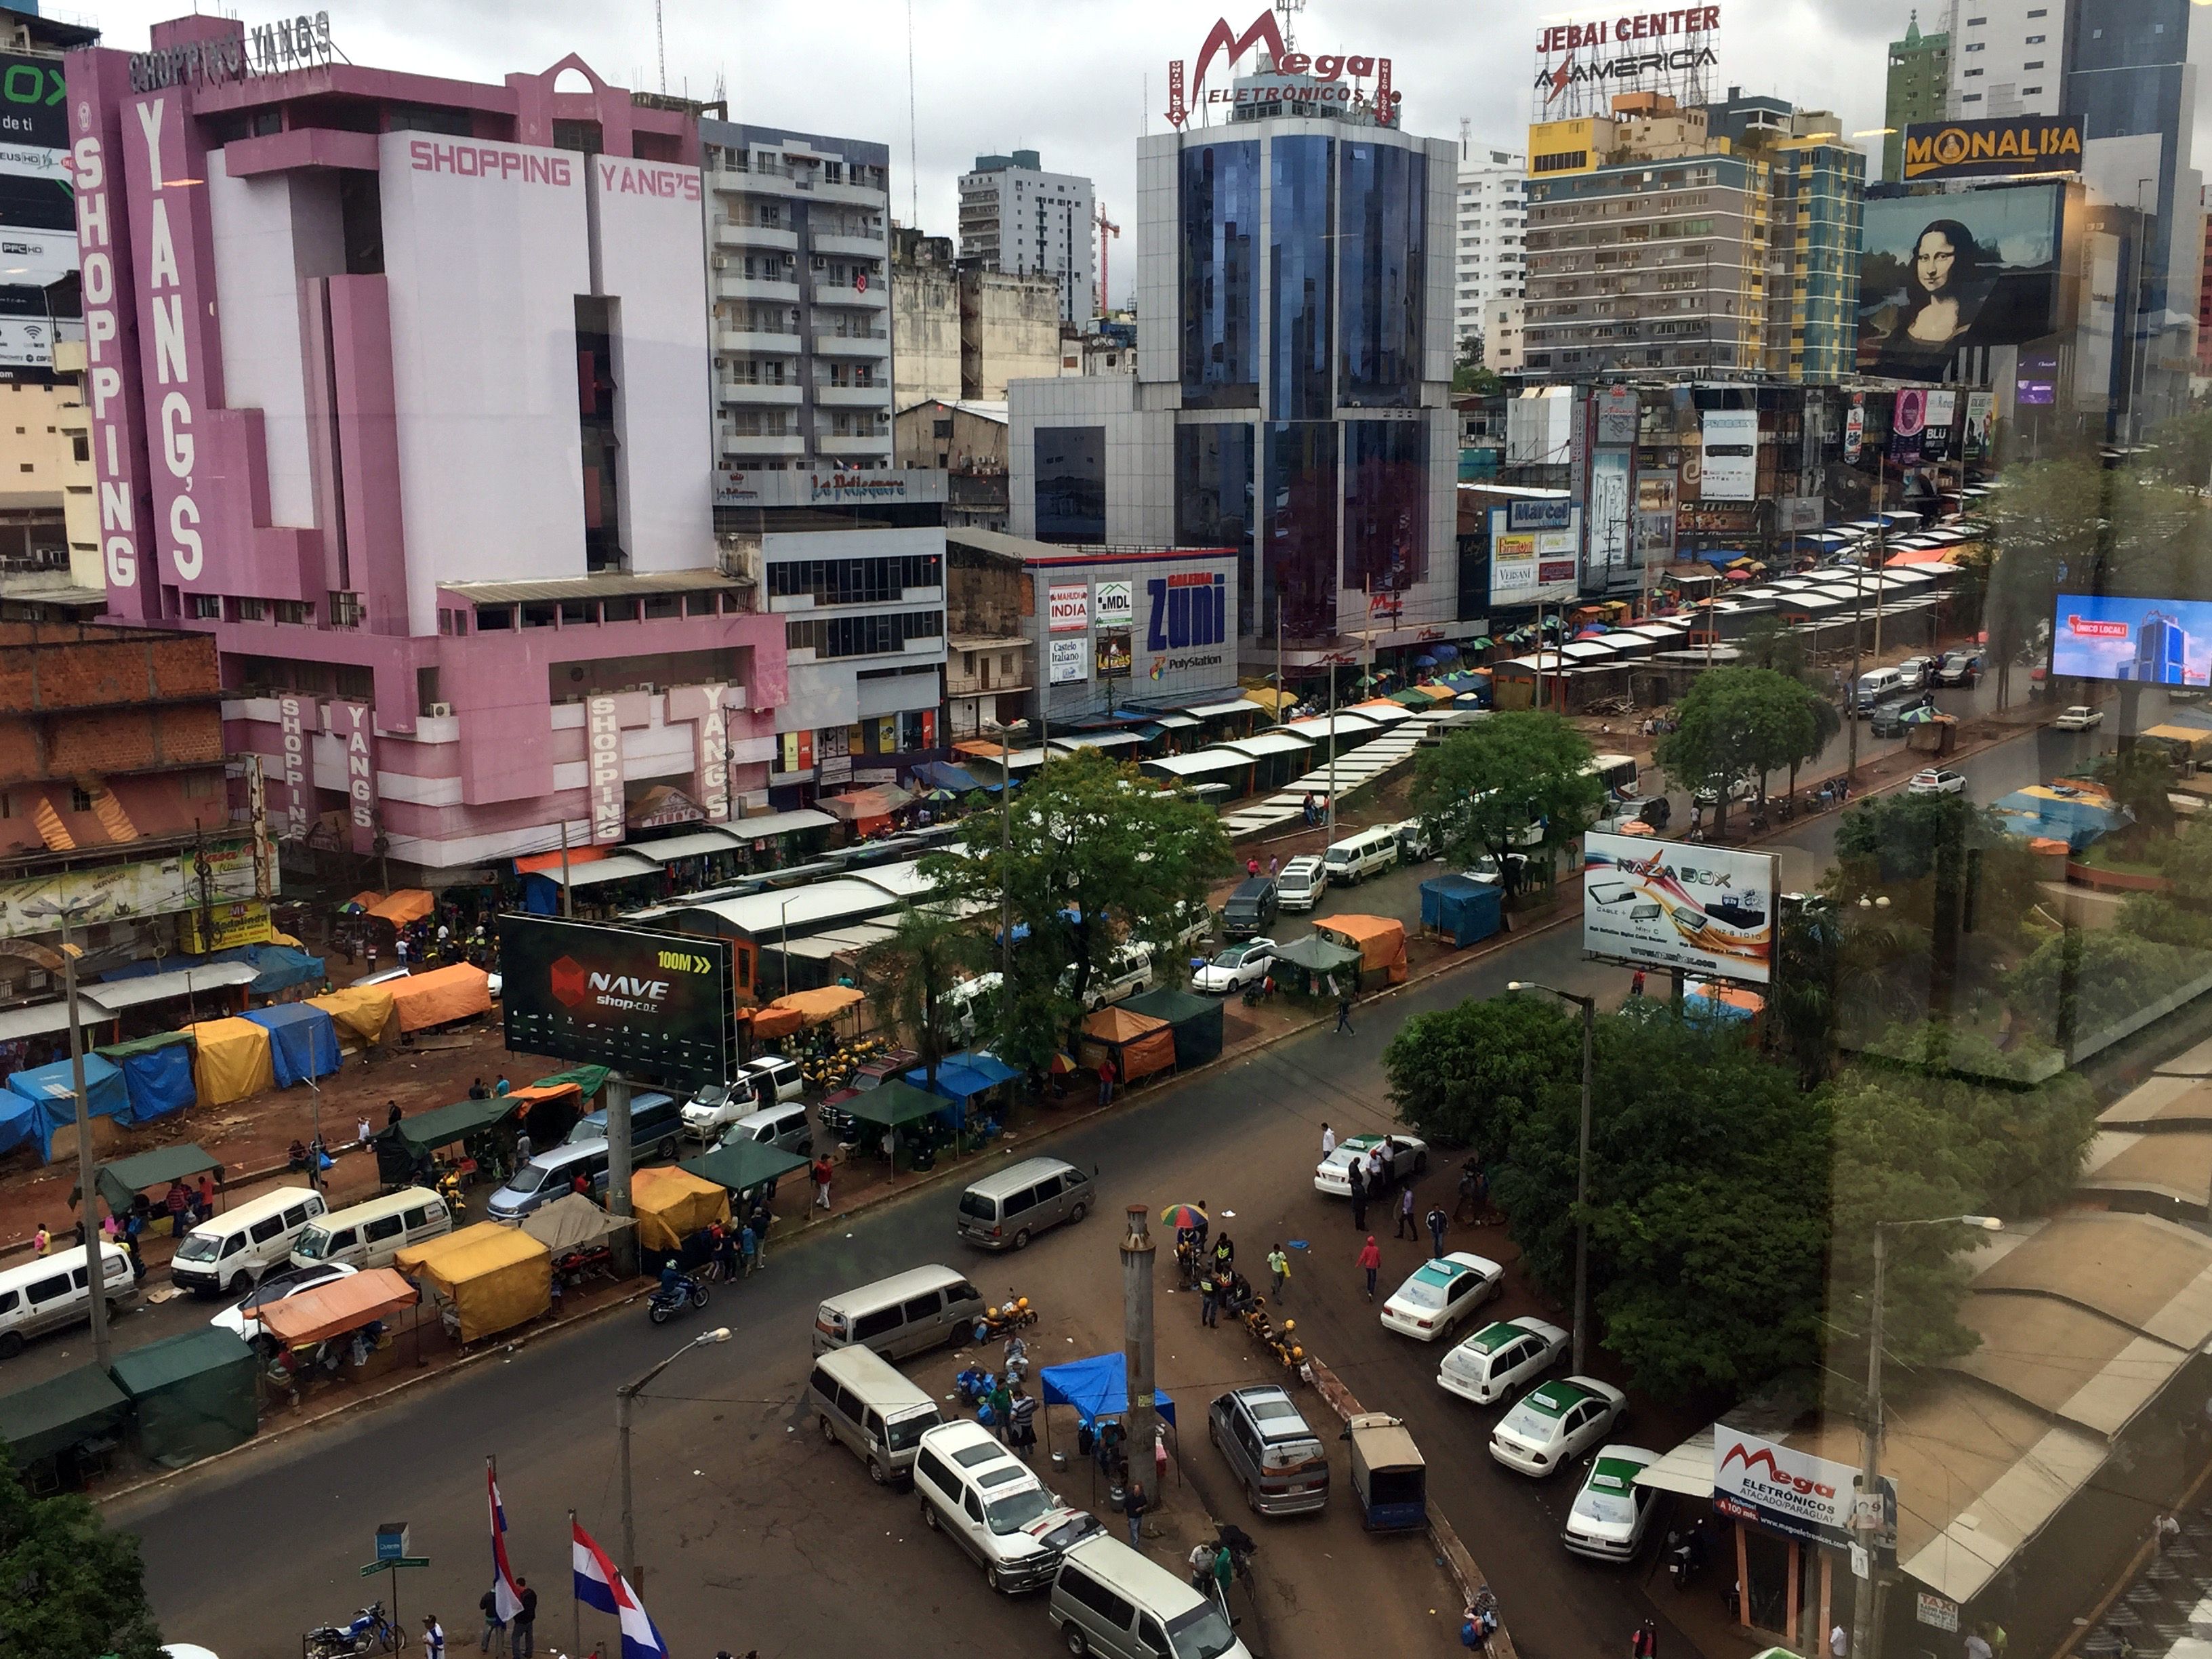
[{"x": 1106, "y": 227}]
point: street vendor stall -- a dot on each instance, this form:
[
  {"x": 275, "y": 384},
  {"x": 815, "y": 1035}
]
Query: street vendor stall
[
  {"x": 672, "y": 1204},
  {"x": 123, "y": 1180},
  {"x": 304, "y": 1327},
  {"x": 1098, "y": 1390},
  {"x": 819, "y": 1007},
  {"x": 892, "y": 1107},
  {"x": 1138, "y": 1044},
  {"x": 62, "y": 1427},
  {"x": 408, "y": 904},
  {"x": 365, "y": 1015},
  {"x": 157, "y": 1073},
  {"x": 485, "y": 1279},
  {"x": 1307, "y": 965},
  {"x": 577, "y": 1233},
  {"x": 1195, "y": 1020},
  {"x": 303, "y": 1041},
  {"x": 230, "y": 1061},
  {"x": 52, "y": 1090},
  {"x": 441, "y": 996},
  {"x": 742, "y": 1168},
  {"x": 1380, "y": 940},
  {"x": 969, "y": 1079},
  {"x": 193, "y": 1394},
  {"x": 1460, "y": 908}
]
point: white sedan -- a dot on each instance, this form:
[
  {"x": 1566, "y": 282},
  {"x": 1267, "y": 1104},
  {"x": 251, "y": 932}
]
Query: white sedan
[
  {"x": 1238, "y": 966},
  {"x": 1611, "y": 1513},
  {"x": 1555, "y": 1423},
  {"x": 1499, "y": 1358},
  {"x": 1408, "y": 1156},
  {"x": 1937, "y": 780},
  {"x": 2080, "y": 718},
  {"x": 240, "y": 1320},
  {"x": 1440, "y": 1294}
]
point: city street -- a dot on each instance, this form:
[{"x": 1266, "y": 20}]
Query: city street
[{"x": 754, "y": 1534}]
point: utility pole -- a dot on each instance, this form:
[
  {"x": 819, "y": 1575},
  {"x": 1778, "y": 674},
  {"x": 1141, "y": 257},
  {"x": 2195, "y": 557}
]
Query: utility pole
[
  {"x": 1137, "y": 1252},
  {"x": 88, "y": 1165},
  {"x": 567, "y": 905},
  {"x": 615, "y": 1093},
  {"x": 632, "y": 1568}
]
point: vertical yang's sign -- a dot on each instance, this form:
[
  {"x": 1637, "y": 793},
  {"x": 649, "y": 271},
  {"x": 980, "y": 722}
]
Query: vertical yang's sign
[{"x": 355, "y": 730}]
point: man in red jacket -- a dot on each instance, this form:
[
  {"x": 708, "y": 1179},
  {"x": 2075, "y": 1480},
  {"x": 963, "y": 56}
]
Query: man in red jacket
[{"x": 1371, "y": 1259}]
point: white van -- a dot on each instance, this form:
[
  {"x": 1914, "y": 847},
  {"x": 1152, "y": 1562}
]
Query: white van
[
  {"x": 1127, "y": 973},
  {"x": 369, "y": 1234},
  {"x": 1875, "y": 684},
  {"x": 1353, "y": 860},
  {"x": 51, "y": 1292},
  {"x": 1111, "y": 1601},
  {"x": 226, "y": 1253},
  {"x": 922, "y": 1307},
  {"x": 878, "y": 1415},
  {"x": 971, "y": 1007}
]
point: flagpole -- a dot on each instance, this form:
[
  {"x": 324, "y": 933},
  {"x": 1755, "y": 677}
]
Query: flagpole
[{"x": 575, "y": 1603}]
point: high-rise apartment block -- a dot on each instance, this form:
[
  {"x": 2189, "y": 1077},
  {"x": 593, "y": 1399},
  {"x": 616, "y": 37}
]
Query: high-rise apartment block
[
  {"x": 2008, "y": 56},
  {"x": 1016, "y": 218},
  {"x": 1919, "y": 90},
  {"x": 800, "y": 267},
  {"x": 1493, "y": 208}
]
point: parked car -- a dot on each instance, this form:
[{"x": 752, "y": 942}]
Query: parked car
[
  {"x": 1238, "y": 966},
  {"x": 1302, "y": 883},
  {"x": 995, "y": 1506},
  {"x": 2080, "y": 718},
  {"x": 1740, "y": 787},
  {"x": 1408, "y": 1156},
  {"x": 1555, "y": 1423},
  {"x": 1487, "y": 869},
  {"x": 1937, "y": 780},
  {"x": 1440, "y": 1294},
  {"x": 242, "y": 1320},
  {"x": 1499, "y": 1358},
  {"x": 1611, "y": 1513},
  {"x": 1892, "y": 715},
  {"x": 1918, "y": 671},
  {"x": 1959, "y": 668},
  {"x": 1416, "y": 843},
  {"x": 1279, "y": 1462}
]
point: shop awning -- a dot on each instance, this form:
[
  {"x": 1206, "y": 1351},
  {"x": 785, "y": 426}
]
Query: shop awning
[
  {"x": 816, "y": 1006},
  {"x": 442, "y": 1126},
  {"x": 893, "y": 1104},
  {"x": 408, "y": 904},
  {"x": 780, "y": 824},
  {"x": 340, "y": 1306},
  {"x": 1096, "y": 740},
  {"x": 1223, "y": 759},
  {"x": 618, "y": 867},
  {"x": 1687, "y": 1469},
  {"x": 1271, "y": 743},
  {"x": 43, "y": 1019},
  {"x": 537, "y": 864},
  {"x": 1212, "y": 710},
  {"x": 126, "y": 1178},
  {"x": 743, "y": 1165},
  {"x": 117, "y": 994},
  {"x": 698, "y": 844}
]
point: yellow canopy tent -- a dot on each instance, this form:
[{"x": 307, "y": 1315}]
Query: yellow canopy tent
[
  {"x": 672, "y": 1205},
  {"x": 494, "y": 1277},
  {"x": 364, "y": 1013},
  {"x": 441, "y": 996},
  {"x": 408, "y": 904},
  {"x": 1380, "y": 940},
  {"x": 230, "y": 1061},
  {"x": 767, "y": 1023}
]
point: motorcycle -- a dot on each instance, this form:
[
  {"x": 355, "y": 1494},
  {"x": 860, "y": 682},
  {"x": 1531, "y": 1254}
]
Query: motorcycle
[
  {"x": 1685, "y": 1556},
  {"x": 1009, "y": 1317},
  {"x": 1283, "y": 1344},
  {"x": 665, "y": 1304},
  {"x": 370, "y": 1631}
]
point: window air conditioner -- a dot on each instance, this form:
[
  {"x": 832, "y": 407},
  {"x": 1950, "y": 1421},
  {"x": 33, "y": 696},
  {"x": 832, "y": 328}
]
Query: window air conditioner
[
  {"x": 721, "y": 262},
  {"x": 821, "y": 263},
  {"x": 439, "y": 711}
]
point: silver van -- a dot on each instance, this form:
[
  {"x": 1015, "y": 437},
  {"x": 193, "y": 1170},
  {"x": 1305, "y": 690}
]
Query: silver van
[
  {"x": 1279, "y": 1463},
  {"x": 547, "y": 1176},
  {"x": 1111, "y": 1601},
  {"x": 51, "y": 1292},
  {"x": 1004, "y": 1211},
  {"x": 878, "y": 1415},
  {"x": 369, "y": 1234},
  {"x": 784, "y": 1126},
  {"x": 656, "y": 1127},
  {"x": 922, "y": 1307}
]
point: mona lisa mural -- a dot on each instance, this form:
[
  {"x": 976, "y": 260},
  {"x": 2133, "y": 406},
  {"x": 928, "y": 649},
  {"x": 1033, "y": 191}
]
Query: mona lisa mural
[{"x": 1940, "y": 274}]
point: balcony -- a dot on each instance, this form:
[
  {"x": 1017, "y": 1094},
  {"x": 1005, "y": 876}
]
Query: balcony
[
  {"x": 858, "y": 247},
  {"x": 875, "y": 345},
  {"x": 738, "y": 444},
  {"x": 874, "y": 297},
  {"x": 756, "y": 288},
  {"x": 759, "y": 396},
  {"x": 866, "y": 196},
  {"x": 853, "y": 397},
  {"x": 877, "y": 444},
  {"x": 757, "y": 343},
  {"x": 729, "y": 236}
]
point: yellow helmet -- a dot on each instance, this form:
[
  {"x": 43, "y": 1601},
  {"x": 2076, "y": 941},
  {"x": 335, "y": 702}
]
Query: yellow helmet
[
  {"x": 1022, "y": 1303},
  {"x": 1289, "y": 1325}
]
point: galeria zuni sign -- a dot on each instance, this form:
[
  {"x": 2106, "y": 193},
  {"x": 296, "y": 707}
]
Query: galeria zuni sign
[{"x": 1329, "y": 68}]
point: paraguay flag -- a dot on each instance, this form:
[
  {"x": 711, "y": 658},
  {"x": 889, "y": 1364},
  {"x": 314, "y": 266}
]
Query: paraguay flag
[
  {"x": 598, "y": 1585},
  {"x": 508, "y": 1598}
]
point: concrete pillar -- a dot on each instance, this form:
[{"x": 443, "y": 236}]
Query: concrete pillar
[
  {"x": 1136, "y": 1251},
  {"x": 615, "y": 1097}
]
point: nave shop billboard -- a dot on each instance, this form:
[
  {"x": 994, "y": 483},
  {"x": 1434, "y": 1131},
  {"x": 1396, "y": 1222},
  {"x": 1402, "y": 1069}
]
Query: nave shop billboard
[
  {"x": 1706, "y": 910},
  {"x": 652, "y": 1003}
]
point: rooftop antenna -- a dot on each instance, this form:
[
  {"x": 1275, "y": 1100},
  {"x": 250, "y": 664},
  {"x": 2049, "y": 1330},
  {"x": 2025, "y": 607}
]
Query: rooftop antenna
[
  {"x": 660, "y": 45},
  {"x": 1290, "y": 9},
  {"x": 1465, "y": 135},
  {"x": 913, "y": 142}
]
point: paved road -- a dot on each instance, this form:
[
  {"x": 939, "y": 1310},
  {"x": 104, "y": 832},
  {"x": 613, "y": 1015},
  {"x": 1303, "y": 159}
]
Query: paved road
[{"x": 757, "y": 1536}]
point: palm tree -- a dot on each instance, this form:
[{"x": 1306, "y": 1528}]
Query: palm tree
[{"x": 907, "y": 976}]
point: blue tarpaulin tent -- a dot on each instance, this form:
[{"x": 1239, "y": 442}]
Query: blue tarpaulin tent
[
  {"x": 279, "y": 967},
  {"x": 2042, "y": 811},
  {"x": 963, "y": 1076},
  {"x": 944, "y": 774},
  {"x": 1464, "y": 910},
  {"x": 157, "y": 1073},
  {"x": 1096, "y": 1386},
  {"x": 303, "y": 1041},
  {"x": 55, "y": 1094},
  {"x": 19, "y": 1121}
]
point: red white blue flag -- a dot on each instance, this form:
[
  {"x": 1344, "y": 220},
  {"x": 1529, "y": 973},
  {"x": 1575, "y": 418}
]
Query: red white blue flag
[
  {"x": 509, "y": 1599},
  {"x": 598, "y": 1585}
]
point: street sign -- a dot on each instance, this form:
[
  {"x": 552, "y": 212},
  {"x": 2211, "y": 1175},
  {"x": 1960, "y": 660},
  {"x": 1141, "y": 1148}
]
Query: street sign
[
  {"x": 1861, "y": 1567},
  {"x": 373, "y": 1568},
  {"x": 391, "y": 1541}
]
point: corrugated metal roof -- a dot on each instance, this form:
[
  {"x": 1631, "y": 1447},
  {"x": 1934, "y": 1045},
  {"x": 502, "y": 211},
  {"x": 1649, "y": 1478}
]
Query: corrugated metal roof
[{"x": 611, "y": 586}]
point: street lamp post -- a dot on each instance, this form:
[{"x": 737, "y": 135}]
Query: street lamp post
[
  {"x": 1588, "y": 1005},
  {"x": 783, "y": 925},
  {"x": 623, "y": 1395},
  {"x": 1866, "y": 1609},
  {"x": 95, "y": 1258}
]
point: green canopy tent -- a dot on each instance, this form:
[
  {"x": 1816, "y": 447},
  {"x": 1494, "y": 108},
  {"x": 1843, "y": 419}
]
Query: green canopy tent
[
  {"x": 149, "y": 1172},
  {"x": 194, "y": 1394},
  {"x": 587, "y": 1078},
  {"x": 49, "y": 1420},
  {"x": 442, "y": 1126},
  {"x": 1306, "y": 964},
  {"x": 892, "y": 1105},
  {"x": 1195, "y": 1020},
  {"x": 744, "y": 1166}
]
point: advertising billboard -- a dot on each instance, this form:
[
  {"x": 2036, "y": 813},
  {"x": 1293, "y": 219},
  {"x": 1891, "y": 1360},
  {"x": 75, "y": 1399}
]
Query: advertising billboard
[
  {"x": 1729, "y": 456},
  {"x": 1534, "y": 567},
  {"x": 1583, "y": 64},
  {"x": 1067, "y": 607},
  {"x": 1707, "y": 910},
  {"x": 2154, "y": 642},
  {"x": 654, "y": 1005},
  {"x": 1611, "y": 544},
  {"x": 1114, "y": 605},
  {"x": 1938, "y": 274},
  {"x": 1790, "y": 1491},
  {"x": 38, "y": 206},
  {"x": 1068, "y": 663},
  {"x": 1113, "y": 658},
  {"x": 2006, "y": 148}
]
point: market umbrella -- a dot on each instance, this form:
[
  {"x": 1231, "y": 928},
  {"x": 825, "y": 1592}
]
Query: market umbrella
[
  {"x": 1180, "y": 1216},
  {"x": 1424, "y": 660},
  {"x": 940, "y": 794},
  {"x": 1062, "y": 1062}
]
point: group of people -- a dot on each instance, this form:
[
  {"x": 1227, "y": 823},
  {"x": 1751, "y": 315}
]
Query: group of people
[{"x": 434, "y": 941}]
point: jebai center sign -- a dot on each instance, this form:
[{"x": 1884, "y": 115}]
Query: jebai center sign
[
  {"x": 1331, "y": 69},
  {"x": 1582, "y": 65}
]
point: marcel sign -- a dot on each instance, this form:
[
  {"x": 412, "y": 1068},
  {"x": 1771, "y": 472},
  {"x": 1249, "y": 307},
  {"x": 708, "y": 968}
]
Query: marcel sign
[{"x": 1331, "y": 69}]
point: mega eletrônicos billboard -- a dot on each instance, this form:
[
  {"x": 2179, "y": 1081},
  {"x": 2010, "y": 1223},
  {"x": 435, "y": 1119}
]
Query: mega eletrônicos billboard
[
  {"x": 2097, "y": 636},
  {"x": 1938, "y": 274},
  {"x": 656, "y": 1005},
  {"x": 1706, "y": 910}
]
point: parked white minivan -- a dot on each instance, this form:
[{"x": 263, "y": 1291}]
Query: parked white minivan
[
  {"x": 1875, "y": 684},
  {"x": 369, "y": 1234},
  {"x": 52, "y": 1292},
  {"x": 878, "y": 1415},
  {"x": 226, "y": 1253},
  {"x": 1355, "y": 857},
  {"x": 1114, "y": 1601}
]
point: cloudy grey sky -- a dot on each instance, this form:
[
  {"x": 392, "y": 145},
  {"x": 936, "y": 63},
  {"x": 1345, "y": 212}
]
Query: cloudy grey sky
[{"x": 1076, "y": 80}]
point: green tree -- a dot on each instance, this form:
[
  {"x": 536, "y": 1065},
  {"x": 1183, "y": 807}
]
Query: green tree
[
  {"x": 2140, "y": 778},
  {"x": 1734, "y": 723},
  {"x": 1487, "y": 786},
  {"x": 74, "y": 1589},
  {"x": 2186, "y": 861},
  {"x": 1088, "y": 855},
  {"x": 907, "y": 976},
  {"x": 1466, "y": 1076},
  {"x": 2078, "y": 983}
]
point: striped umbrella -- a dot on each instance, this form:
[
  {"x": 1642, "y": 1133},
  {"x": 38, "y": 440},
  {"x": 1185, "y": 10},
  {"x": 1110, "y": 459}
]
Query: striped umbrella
[{"x": 1181, "y": 1216}]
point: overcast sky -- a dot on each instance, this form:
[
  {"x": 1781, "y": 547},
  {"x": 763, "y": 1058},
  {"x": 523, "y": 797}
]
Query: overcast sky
[{"x": 1076, "y": 80}]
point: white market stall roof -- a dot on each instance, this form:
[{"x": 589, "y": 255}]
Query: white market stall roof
[
  {"x": 1209, "y": 710},
  {"x": 1096, "y": 740},
  {"x": 698, "y": 844},
  {"x": 901, "y": 881},
  {"x": 1269, "y": 743},
  {"x": 761, "y": 914},
  {"x": 1348, "y": 725},
  {"x": 616, "y": 866},
  {"x": 1197, "y": 765},
  {"x": 117, "y": 994}
]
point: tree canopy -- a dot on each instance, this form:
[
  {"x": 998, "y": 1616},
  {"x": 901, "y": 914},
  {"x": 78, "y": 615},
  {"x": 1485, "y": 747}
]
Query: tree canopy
[
  {"x": 907, "y": 976},
  {"x": 74, "y": 1590},
  {"x": 1487, "y": 786},
  {"x": 1740, "y": 723},
  {"x": 1468, "y": 1076}
]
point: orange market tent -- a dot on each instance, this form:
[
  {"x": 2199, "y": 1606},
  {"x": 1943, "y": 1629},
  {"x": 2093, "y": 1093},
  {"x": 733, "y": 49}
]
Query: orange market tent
[
  {"x": 408, "y": 904},
  {"x": 1141, "y": 1044},
  {"x": 493, "y": 1278},
  {"x": 815, "y": 1008},
  {"x": 866, "y": 810},
  {"x": 342, "y": 1305},
  {"x": 230, "y": 1061},
  {"x": 672, "y": 1205},
  {"x": 441, "y": 996},
  {"x": 364, "y": 1014},
  {"x": 774, "y": 1022},
  {"x": 1922, "y": 555},
  {"x": 1380, "y": 941},
  {"x": 537, "y": 864}
]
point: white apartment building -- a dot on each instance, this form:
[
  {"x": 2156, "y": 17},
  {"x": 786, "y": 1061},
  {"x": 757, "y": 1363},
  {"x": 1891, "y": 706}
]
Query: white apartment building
[
  {"x": 2008, "y": 58},
  {"x": 1492, "y": 211},
  {"x": 1018, "y": 219},
  {"x": 800, "y": 247},
  {"x": 1502, "y": 322}
]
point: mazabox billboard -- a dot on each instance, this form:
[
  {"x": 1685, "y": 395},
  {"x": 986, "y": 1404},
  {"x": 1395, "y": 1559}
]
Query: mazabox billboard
[
  {"x": 654, "y": 1005},
  {"x": 1666, "y": 904}
]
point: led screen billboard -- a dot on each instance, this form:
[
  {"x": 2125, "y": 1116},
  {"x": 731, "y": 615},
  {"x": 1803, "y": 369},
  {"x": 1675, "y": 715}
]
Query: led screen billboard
[
  {"x": 1707, "y": 910},
  {"x": 1938, "y": 274},
  {"x": 2158, "y": 642},
  {"x": 654, "y": 1005}
]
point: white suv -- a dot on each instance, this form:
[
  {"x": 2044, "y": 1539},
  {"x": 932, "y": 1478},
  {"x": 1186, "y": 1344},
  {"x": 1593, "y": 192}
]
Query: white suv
[
  {"x": 1302, "y": 882},
  {"x": 995, "y": 1507}
]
